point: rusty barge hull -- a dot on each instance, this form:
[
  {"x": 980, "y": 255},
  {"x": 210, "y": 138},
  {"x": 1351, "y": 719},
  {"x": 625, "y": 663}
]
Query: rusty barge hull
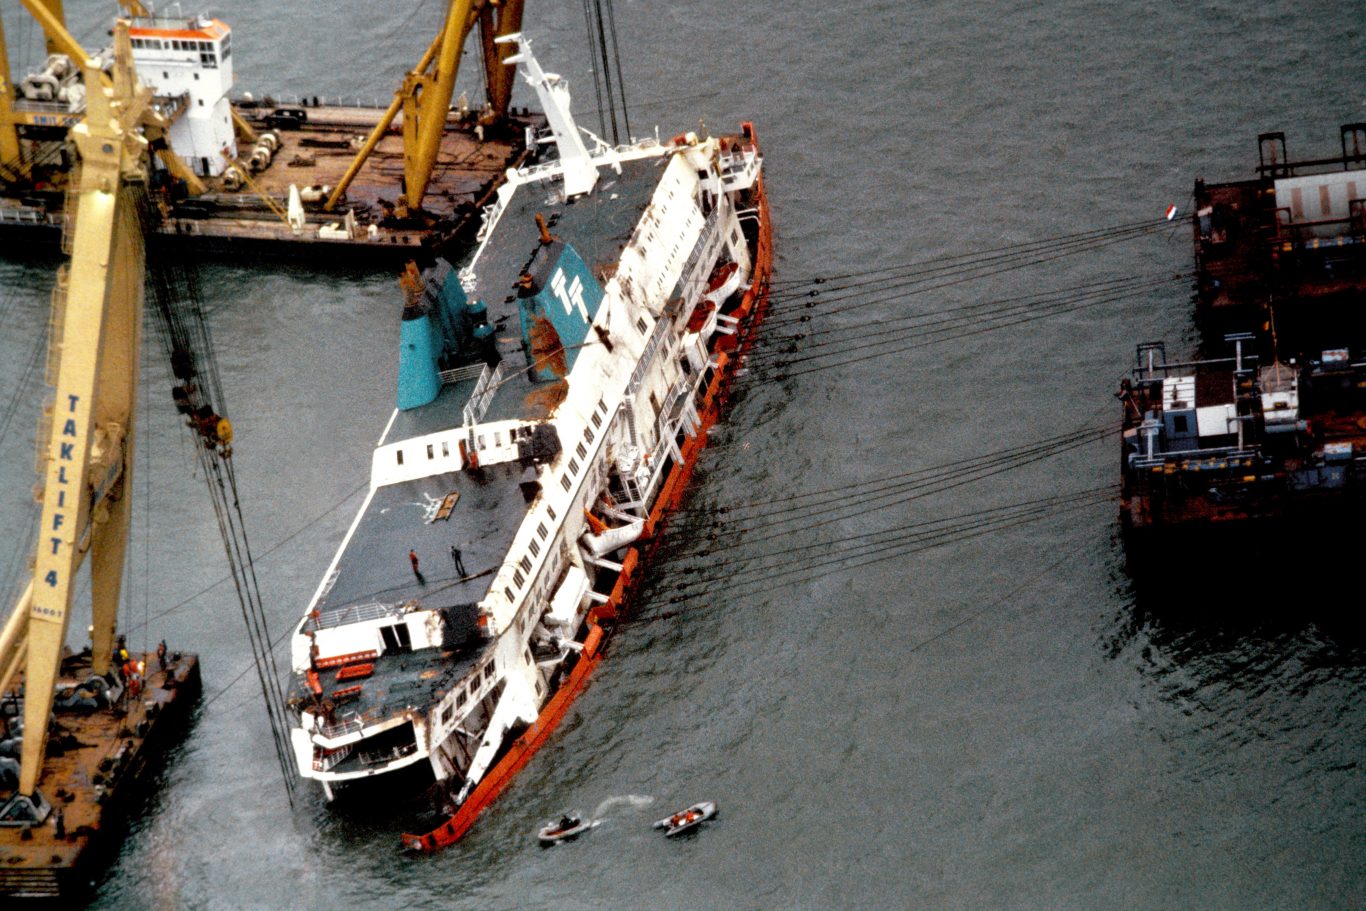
[
  {"x": 1266, "y": 427},
  {"x": 314, "y": 153},
  {"x": 102, "y": 768}
]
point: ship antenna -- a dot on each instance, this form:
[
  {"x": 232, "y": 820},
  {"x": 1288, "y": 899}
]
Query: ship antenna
[{"x": 580, "y": 174}]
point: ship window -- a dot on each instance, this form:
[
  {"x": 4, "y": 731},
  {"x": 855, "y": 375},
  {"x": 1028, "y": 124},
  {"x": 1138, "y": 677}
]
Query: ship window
[
  {"x": 447, "y": 714},
  {"x": 540, "y": 689},
  {"x": 597, "y": 421},
  {"x": 460, "y": 698},
  {"x": 497, "y": 438},
  {"x": 518, "y": 579},
  {"x": 534, "y": 548},
  {"x": 507, "y": 591},
  {"x": 588, "y": 434},
  {"x": 540, "y": 531},
  {"x": 525, "y": 564},
  {"x": 445, "y": 450},
  {"x": 165, "y": 75},
  {"x": 480, "y": 444},
  {"x": 602, "y": 406},
  {"x": 582, "y": 450},
  {"x": 431, "y": 453},
  {"x": 640, "y": 325},
  {"x": 550, "y": 509},
  {"x": 488, "y": 670},
  {"x": 565, "y": 482},
  {"x": 1179, "y": 422},
  {"x": 201, "y": 101},
  {"x": 399, "y": 453},
  {"x": 573, "y": 466}
]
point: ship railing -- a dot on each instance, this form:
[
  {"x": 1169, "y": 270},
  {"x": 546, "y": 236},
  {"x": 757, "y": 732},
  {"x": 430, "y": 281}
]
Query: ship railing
[
  {"x": 460, "y": 374},
  {"x": 1305, "y": 231},
  {"x": 353, "y": 724},
  {"x": 662, "y": 328},
  {"x": 484, "y": 391},
  {"x": 304, "y": 101},
  {"x": 69, "y": 211},
  {"x": 384, "y": 757},
  {"x": 739, "y": 171},
  {"x": 1221, "y": 453},
  {"x": 22, "y": 215},
  {"x": 694, "y": 274},
  {"x": 330, "y": 758},
  {"x": 60, "y": 108},
  {"x": 666, "y": 427},
  {"x": 355, "y": 613},
  {"x": 56, "y": 324},
  {"x": 171, "y": 106},
  {"x": 1145, "y": 371}
]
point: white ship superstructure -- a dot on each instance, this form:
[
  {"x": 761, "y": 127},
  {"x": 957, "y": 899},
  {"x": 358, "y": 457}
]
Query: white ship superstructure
[
  {"x": 190, "y": 62},
  {"x": 546, "y": 391}
]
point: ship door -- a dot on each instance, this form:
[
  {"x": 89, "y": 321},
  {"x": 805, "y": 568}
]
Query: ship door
[{"x": 396, "y": 638}]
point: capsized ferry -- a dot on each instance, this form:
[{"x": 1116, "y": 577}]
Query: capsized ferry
[{"x": 553, "y": 394}]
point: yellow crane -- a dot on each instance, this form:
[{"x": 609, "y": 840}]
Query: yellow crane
[
  {"x": 425, "y": 95},
  {"x": 87, "y": 457}
]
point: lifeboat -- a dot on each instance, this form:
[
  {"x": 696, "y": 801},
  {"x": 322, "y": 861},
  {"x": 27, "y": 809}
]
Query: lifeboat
[{"x": 684, "y": 820}]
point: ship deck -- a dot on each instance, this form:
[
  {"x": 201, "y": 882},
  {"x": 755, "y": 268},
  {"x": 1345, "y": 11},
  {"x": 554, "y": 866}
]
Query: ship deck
[
  {"x": 319, "y": 151},
  {"x": 91, "y": 776},
  {"x": 400, "y": 680},
  {"x": 598, "y": 226},
  {"x": 374, "y": 566}
]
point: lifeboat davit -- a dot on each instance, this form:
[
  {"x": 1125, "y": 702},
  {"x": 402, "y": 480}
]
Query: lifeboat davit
[{"x": 724, "y": 281}]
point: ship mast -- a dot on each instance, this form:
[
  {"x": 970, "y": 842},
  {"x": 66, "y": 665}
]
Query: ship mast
[
  {"x": 88, "y": 452},
  {"x": 425, "y": 95}
]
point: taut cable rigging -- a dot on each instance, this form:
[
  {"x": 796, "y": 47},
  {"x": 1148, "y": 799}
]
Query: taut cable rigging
[{"x": 185, "y": 339}]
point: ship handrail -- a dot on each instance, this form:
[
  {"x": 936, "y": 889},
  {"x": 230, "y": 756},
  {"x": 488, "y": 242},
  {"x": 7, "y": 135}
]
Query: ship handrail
[
  {"x": 460, "y": 374},
  {"x": 23, "y": 215},
  {"x": 352, "y": 613},
  {"x": 27, "y": 106},
  {"x": 484, "y": 391},
  {"x": 1159, "y": 459},
  {"x": 1143, "y": 369}
]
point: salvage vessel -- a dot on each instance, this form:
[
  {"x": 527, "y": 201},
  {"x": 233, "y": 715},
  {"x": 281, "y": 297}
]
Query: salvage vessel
[
  {"x": 553, "y": 395},
  {"x": 303, "y": 177},
  {"x": 1267, "y": 426}
]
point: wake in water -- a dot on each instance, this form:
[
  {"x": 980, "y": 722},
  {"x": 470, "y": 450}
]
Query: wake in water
[{"x": 623, "y": 800}]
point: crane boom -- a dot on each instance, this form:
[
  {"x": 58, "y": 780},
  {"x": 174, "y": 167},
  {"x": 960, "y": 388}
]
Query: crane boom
[
  {"x": 425, "y": 95},
  {"x": 89, "y": 449}
]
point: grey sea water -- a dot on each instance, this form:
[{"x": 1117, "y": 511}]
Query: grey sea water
[{"x": 997, "y": 723}]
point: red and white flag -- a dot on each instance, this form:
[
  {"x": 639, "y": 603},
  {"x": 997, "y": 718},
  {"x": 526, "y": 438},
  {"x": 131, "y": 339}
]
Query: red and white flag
[{"x": 1171, "y": 211}]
